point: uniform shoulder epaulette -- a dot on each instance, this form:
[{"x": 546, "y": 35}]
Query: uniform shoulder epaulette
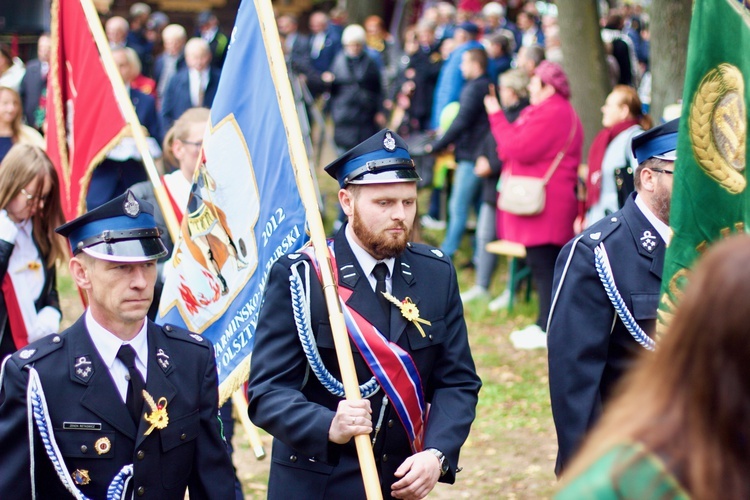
[
  {"x": 600, "y": 230},
  {"x": 175, "y": 332},
  {"x": 39, "y": 349},
  {"x": 428, "y": 251}
]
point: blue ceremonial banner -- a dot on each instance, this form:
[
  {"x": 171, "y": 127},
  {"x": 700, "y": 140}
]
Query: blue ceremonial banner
[{"x": 244, "y": 211}]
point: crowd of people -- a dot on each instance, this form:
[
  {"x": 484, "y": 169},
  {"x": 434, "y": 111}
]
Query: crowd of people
[{"x": 469, "y": 101}]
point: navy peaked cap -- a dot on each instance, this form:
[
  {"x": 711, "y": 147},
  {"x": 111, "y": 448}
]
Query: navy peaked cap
[{"x": 121, "y": 230}]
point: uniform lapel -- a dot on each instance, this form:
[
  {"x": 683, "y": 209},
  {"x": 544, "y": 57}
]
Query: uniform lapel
[
  {"x": 101, "y": 396},
  {"x": 646, "y": 238},
  {"x": 160, "y": 367},
  {"x": 402, "y": 282},
  {"x": 351, "y": 276}
]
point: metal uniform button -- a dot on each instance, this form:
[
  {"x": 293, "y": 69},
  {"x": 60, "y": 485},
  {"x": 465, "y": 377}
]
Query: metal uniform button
[
  {"x": 84, "y": 448},
  {"x": 183, "y": 436},
  {"x": 390, "y": 423},
  {"x": 385, "y": 458},
  {"x": 140, "y": 491},
  {"x": 293, "y": 458},
  {"x": 140, "y": 455},
  {"x": 56, "y": 339}
]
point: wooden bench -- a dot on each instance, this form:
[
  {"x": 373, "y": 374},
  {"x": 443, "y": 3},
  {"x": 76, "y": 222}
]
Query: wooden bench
[{"x": 517, "y": 271}]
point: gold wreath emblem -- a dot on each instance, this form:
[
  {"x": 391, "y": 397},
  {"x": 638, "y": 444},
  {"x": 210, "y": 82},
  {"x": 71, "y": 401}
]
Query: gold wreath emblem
[
  {"x": 718, "y": 129},
  {"x": 409, "y": 311},
  {"x": 158, "y": 417}
]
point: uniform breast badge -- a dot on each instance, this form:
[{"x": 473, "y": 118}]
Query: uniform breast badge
[
  {"x": 102, "y": 446},
  {"x": 158, "y": 417},
  {"x": 409, "y": 311},
  {"x": 81, "y": 477}
]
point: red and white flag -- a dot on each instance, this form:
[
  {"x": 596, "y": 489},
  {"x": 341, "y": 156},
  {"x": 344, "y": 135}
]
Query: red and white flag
[{"x": 84, "y": 120}]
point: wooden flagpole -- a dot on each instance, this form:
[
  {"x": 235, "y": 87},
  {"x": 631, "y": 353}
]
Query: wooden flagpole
[
  {"x": 317, "y": 234},
  {"x": 170, "y": 219},
  {"x": 126, "y": 105}
]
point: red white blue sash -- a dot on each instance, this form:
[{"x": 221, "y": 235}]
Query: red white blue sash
[{"x": 390, "y": 364}]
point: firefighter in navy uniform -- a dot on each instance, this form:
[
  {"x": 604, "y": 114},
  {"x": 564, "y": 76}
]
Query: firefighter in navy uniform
[
  {"x": 416, "y": 324},
  {"x": 591, "y": 344},
  {"x": 118, "y": 403}
]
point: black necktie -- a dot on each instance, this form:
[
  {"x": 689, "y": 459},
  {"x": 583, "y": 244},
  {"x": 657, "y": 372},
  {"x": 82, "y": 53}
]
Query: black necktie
[
  {"x": 134, "y": 400},
  {"x": 380, "y": 271}
]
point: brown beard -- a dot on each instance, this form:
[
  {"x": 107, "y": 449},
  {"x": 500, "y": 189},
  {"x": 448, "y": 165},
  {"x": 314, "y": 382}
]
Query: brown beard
[
  {"x": 662, "y": 204},
  {"x": 382, "y": 245}
]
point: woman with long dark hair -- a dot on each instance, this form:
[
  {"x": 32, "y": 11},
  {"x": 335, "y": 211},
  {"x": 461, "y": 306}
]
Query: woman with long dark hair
[
  {"x": 680, "y": 427},
  {"x": 30, "y": 210}
]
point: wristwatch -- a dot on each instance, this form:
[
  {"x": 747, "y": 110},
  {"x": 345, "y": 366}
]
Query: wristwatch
[{"x": 441, "y": 459}]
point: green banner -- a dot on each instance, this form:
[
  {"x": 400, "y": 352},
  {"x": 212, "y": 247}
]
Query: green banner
[{"x": 709, "y": 199}]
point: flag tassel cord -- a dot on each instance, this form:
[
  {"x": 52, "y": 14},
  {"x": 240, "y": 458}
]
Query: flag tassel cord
[{"x": 317, "y": 233}]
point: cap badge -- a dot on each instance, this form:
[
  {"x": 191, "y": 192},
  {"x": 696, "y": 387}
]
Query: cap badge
[
  {"x": 131, "y": 206},
  {"x": 389, "y": 142},
  {"x": 83, "y": 367},
  {"x": 81, "y": 477},
  {"x": 102, "y": 446},
  {"x": 26, "y": 353},
  {"x": 648, "y": 241}
]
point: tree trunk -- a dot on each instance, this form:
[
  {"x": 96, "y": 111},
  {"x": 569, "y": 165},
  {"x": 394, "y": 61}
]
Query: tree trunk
[
  {"x": 584, "y": 62},
  {"x": 358, "y": 10},
  {"x": 670, "y": 26}
]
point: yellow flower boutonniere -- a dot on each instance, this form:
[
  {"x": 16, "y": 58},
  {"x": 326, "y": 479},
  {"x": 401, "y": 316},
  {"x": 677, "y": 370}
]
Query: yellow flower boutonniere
[
  {"x": 158, "y": 417},
  {"x": 409, "y": 311}
]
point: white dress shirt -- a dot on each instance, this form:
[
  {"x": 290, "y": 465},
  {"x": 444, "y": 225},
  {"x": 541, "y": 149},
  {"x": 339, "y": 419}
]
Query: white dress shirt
[
  {"x": 367, "y": 262},
  {"x": 107, "y": 344}
]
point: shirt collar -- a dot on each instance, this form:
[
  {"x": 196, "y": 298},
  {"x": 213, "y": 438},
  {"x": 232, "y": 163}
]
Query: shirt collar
[
  {"x": 663, "y": 229},
  {"x": 366, "y": 261},
  {"x": 107, "y": 343}
]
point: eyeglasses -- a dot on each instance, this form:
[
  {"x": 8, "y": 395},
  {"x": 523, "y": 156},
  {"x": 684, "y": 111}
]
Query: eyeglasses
[
  {"x": 662, "y": 171},
  {"x": 196, "y": 144},
  {"x": 30, "y": 197}
]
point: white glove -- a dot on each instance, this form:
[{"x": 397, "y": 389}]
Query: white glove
[
  {"x": 47, "y": 321},
  {"x": 8, "y": 229}
]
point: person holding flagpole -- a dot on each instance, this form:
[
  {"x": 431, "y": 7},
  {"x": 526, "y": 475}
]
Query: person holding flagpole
[
  {"x": 404, "y": 317},
  {"x": 115, "y": 406}
]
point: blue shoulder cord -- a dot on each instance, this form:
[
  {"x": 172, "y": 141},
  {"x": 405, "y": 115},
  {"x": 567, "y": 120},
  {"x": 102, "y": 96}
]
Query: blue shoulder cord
[{"x": 604, "y": 269}]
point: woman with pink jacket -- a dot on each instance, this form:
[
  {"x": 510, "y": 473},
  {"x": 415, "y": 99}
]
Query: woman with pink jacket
[{"x": 528, "y": 147}]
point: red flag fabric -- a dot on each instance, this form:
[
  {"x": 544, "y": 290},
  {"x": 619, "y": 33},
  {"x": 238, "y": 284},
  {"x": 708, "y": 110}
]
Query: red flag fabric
[{"x": 84, "y": 120}]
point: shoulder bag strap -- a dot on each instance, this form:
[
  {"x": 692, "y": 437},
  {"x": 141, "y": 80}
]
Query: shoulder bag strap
[{"x": 562, "y": 152}]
